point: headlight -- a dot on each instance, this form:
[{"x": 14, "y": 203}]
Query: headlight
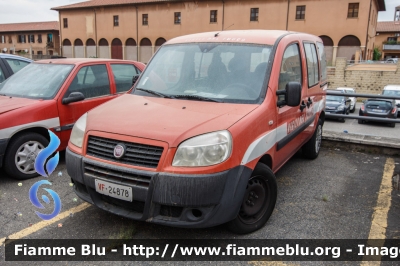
[
  {"x": 204, "y": 150},
  {"x": 78, "y": 131},
  {"x": 340, "y": 108}
]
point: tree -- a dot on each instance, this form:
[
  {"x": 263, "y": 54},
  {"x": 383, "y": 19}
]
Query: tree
[{"x": 377, "y": 54}]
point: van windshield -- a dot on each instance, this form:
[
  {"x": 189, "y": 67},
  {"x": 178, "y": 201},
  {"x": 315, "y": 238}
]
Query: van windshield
[
  {"x": 222, "y": 72},
  {"x": 36, "y": 81},
  {"x": 391, "y": 93}
]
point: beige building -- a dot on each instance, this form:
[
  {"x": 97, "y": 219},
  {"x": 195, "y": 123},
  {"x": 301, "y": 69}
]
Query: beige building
[
  {"x": 388, "y": 36},
  {"x": 134, "y": 29},
  {"x": 34, "y": 39}
]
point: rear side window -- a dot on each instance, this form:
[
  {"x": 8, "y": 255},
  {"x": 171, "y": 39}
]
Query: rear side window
[
  {"x": 123, "y": 74},
  {"x": 2, "y": 76},
  {"x": 16, "y": 65},
  {"x": 291, "y": 67},
  {"x": 312, "y": 64},
  {"x": 91, "y": 81},
  {"x": 322, "y": 61}
]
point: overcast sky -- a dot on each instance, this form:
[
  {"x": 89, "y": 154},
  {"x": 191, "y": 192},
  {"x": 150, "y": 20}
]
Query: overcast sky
[{"x": 14, "y": 11}]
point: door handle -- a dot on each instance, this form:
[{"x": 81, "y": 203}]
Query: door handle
[
  {"x": 309, "y": 102},
  {"x": 302, "y": 106}
]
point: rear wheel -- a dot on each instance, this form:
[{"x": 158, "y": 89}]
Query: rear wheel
[
  {"x": 21, "y": 155},
  {"x": 392, "y": 124},
  {"x": 354, "y": 109},
  {"x": 311, "y": 148},
  {"x": 361, "y": 121},
  {"x": 258, "y": 202}
]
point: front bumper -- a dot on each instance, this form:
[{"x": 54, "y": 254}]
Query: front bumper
[
  {"x": 334, "y": 111},
  {"x": 194, "y": 201},
  {"x": 3, "y": 147}
]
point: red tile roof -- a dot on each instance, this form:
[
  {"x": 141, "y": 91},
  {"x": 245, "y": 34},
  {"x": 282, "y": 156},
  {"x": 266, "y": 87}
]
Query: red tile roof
[
  {"x": 30, "y": 26},
  {"x": 95, "y": 3},
  {"x": 388, "y": 26}
]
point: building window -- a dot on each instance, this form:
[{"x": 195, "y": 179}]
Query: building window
[
  {"x": 3, "y": 39},
  {"x": 300, "y": 12},
  {"x": 39, "y": 38},
  {"x": 213, "y": 15},
  {"x": 177, "y": 18},
  {"x": 253, "y": 14},
  {"x": 21, "y": 39},
  {"x": 33, "y": 52},
  {"x": 353, "y": 10},
  {"x": 39, "y": 52},
  {"x": 116, "y": 21},
  {"x": 31, "y": 38},
  {"x": 65, "y": 23},
  {"x": 145, "y": 19}
]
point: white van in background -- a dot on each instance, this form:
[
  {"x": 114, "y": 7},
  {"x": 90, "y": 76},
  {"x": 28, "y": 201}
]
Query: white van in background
[{"x": 392, "y": 90}]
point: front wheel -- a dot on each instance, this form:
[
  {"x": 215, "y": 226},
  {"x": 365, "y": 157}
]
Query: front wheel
[
  {"x": 311, "y": 148},
  {"x": 21, "y": 154},
  {"x": 258, "y": 202}
]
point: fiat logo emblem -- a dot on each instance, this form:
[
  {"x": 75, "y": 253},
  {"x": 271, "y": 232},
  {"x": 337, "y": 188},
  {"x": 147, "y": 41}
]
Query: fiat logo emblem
[{"x": 119, "y": 151}]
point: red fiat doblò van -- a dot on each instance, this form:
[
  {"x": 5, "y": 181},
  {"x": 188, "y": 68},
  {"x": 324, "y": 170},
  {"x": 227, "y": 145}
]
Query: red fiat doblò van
[{"x": 198, "y": 139}]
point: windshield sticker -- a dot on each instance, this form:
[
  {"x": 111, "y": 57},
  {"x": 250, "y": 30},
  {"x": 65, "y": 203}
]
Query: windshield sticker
[{"x": 211, "y": 95}]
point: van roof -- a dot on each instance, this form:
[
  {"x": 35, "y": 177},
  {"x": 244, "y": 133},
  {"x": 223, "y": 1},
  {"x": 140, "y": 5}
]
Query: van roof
[
  {"x": 238, "y": 36},
  {"x": 392, "y": 87}
]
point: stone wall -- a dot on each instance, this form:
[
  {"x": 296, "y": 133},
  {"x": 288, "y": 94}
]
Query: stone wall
[{"x": 363, "y": 81}]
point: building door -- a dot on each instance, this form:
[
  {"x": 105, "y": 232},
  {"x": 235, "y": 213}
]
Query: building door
[{"x": 116, "y": 49}]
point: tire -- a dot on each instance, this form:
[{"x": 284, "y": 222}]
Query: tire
[
  {"x": 258, "y": 202},
  {"x": 392, "y": 124},
  {"x": 361, "y": 121},
  {"x": 30, "y": 143},
  {"x": 354, "y": 109},
  {"x": 311, "y": 148}
]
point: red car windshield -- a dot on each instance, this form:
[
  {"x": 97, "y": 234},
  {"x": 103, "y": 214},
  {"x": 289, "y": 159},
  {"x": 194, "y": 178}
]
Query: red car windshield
[{"x": 36, "y": 81}]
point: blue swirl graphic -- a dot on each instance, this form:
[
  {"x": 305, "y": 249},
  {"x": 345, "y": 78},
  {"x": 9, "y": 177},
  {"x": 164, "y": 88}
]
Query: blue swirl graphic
[
  {"x": 35, "y": 201},
  {"x": 45, "y": 153}
]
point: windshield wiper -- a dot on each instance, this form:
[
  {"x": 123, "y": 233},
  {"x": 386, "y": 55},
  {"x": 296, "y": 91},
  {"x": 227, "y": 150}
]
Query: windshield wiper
[
  {"x": 196, "y": 97},
  {"x": 155, "y": 93},
  {"x": 2, "y": 94}
]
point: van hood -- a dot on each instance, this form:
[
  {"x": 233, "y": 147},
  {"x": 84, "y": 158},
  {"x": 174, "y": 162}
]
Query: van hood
[
  {"x": 8, "y": 103},
  {"x": 167, "y": 120}
]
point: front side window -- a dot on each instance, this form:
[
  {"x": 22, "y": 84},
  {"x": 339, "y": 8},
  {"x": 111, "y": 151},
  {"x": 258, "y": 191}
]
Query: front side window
[
  {"x": 116, "y": 21},
  {"x": 253, "y": 14},
  {"x": 312, "y": 64},
  {"x": 145, "y": 19},
  {"x": 353, "y": 10},
  {"x": 91, "y": 81},
  {"x": 290, "y": 67},
  {"x": 213, "y": 16},
  {"x": 36, "y": 81},
  {"x": 123, "y": 74},
  {"x": 177, "y": 18},
  {"x": 300, "y": 12},
  {"x": 322, "y": 62},
  {"x": 217, "y": 71},
  {"x": 16, "y": 65}
]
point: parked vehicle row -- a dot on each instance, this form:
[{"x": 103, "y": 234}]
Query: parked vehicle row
[
  {"x": 374, "y": 107},
  {"x": 53, "y": 94}
]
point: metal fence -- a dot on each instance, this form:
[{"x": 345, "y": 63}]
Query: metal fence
[{"x": 366, "y": 118}]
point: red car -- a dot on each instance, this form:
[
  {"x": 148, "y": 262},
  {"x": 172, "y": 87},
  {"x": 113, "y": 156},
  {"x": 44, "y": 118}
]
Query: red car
[{"x": 53, "y": 94}]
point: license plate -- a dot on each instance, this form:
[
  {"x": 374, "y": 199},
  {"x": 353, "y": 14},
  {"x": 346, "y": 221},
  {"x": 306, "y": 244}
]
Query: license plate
[
  {"x": 377, "y": 110},
  {"x": 113, "y": 190}
]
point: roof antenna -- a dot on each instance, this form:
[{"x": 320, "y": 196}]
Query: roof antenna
[{"x": 216, "y": 34}]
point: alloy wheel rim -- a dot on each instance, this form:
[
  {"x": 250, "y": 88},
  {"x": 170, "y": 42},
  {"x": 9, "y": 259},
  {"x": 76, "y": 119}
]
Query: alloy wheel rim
[{"x": 26, "y": 156}]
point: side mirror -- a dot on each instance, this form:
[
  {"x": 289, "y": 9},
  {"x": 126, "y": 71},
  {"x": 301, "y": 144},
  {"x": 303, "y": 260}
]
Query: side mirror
[
  {"x": 293, "y": 93},
  {"x": 134, "y": 79},
  {"x": 348, "y": 100},
  {"x": 73, "y": 97}
]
